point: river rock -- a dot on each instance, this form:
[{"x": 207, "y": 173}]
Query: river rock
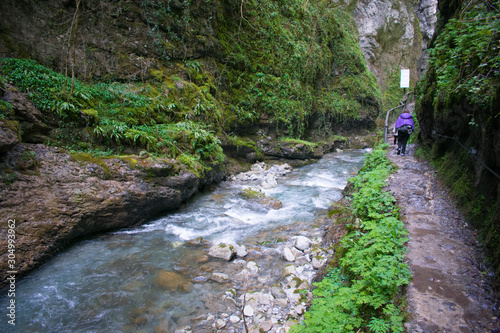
[
  {"x": 280, "y": 170},
  {"x": 169, "y": 280},
  {"x": 297, "y": 311},
  {"x": 269, "y": 181},
  {"x": 318, "y": 261},
  {"x": 220, "y": 323},
  {"x": 258, "y": 167},
  {"x": 257, "y": 196},
  {"x": 200, "y": 279},
  {"x": 288, "y": 255},
  {"x": 241, "y": 250},
  {"x": 282, "y": 302},
  {"x": 302, "y": 243},
  {"x": 296, "y": 252},
  {"x": 219, "y": 277},
  {"x": 277, "y": 292},
  {"x": 243, "y": 276},
  {"x": 234, "y": 319},
  {"x": 293, "y": 297},
  {"x": 289, "y": 270},
  {"x": 252, "y": 267},
  {"x": 248, "y": 311},
  {"x": 222, "y": 251},
  {"x": 266, "y": 325},
  {"x": 263, "y": 298},
  {"x": 165, "y": 326}
]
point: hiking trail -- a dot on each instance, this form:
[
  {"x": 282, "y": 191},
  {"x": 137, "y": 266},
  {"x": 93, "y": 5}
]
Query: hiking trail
[{"x": 450, "y": 290}]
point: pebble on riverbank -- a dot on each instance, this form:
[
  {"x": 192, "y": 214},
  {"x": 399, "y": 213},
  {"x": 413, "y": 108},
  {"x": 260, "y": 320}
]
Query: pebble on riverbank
[{"x": 267, "y": 305}]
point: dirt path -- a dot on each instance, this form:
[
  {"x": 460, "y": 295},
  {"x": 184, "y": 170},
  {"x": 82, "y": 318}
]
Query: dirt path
[{"x": 449, "y": 291}]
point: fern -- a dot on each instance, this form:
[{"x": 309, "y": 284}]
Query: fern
[{"x": 363, "y": 292}]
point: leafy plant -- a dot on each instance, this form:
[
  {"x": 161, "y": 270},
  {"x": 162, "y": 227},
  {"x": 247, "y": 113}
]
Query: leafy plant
[
  {"x": 123, "y": 114},
  {"x": 364, "y": 290},
  {"x": 465, "y": 55}
]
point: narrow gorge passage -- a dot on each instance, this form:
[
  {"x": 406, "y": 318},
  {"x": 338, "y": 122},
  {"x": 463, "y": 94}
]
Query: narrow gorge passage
[{"x": 450, "y": 290}]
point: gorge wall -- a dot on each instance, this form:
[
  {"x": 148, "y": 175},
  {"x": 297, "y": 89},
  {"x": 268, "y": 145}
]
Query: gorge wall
[
  {"x": 458, "y": 113},
  {"x": 250, "y": 73},
  {"x": 394, "y": 35}
]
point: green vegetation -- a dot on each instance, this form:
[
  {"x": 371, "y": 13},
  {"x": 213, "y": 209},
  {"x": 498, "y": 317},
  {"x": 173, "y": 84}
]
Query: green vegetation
[
  {"x": 136, "y": 115},
  {"x": 363, "y": 291},
  {"x": 290, "y": 59},
  {"x": 458, "y": 108},
  {"x": 465, "y": 56},
  {"x": 211, "y": 71},
  {"x": 310, "y": 145}
]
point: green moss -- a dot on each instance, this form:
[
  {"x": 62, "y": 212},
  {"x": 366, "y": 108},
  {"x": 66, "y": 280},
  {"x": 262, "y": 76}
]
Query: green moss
[
  {"x": 6, "y": 110},
  {"x": 89, "y": 158},
  {"x": 13, "y": 125},
  {"x": 289, "y": 69},
  {"x": 8, "y": 176},
  {"x": 251, "y": 193},
  {"x": 310, "y": 145},
  {"x": 130, "y": 160},
  {"x": 156, "y": 74},
  {"x": 278, "y": 62}
]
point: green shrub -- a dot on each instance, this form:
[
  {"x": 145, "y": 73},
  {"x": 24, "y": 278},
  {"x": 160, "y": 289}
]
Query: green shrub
[{"x": 364, "y": 292}]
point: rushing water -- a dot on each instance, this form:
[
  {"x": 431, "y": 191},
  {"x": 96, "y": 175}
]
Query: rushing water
[{"x": 108, "y": 283}]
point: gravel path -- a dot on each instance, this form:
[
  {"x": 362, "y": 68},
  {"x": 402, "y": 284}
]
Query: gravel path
[{"x": 450, "y": 290}]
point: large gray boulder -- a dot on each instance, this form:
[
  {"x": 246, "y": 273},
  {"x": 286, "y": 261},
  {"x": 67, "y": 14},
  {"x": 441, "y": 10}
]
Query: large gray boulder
[{"x": 222, "y": 251}]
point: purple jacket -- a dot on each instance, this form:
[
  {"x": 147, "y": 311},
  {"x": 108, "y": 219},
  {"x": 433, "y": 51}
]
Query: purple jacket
[{"x": 405, "y": 119}]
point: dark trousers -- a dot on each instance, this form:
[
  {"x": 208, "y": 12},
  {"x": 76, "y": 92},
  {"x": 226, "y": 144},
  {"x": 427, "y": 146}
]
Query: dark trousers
[{"x": 402, "y": 141}]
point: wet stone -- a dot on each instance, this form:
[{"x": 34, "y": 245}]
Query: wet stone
[{"x": 169, "y": 280}]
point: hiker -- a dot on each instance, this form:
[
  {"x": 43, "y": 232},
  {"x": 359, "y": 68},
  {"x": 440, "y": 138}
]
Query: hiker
[{"x": 404, "y": 126}]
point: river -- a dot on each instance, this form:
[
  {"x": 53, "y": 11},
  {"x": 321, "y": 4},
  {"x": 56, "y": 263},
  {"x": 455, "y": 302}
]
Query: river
[{"x": 109, "y": 283}]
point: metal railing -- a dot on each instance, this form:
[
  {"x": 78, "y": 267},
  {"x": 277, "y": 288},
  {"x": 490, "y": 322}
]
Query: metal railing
[{"x": 408, "y": 98}]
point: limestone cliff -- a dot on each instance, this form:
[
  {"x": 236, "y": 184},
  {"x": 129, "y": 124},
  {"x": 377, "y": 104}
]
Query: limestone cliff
[{"x": 394, "y": 35}]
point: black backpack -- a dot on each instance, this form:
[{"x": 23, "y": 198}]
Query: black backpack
[{"x": 405, "y": 129}]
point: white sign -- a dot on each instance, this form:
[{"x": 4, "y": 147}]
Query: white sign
[{"x": 405, "y": 78}]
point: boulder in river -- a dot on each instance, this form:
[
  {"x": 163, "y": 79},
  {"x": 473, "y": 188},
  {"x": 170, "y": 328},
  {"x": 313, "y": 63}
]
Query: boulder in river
[
  {"x": 219, "y": 277},
  {"x": 222, "y": 251},
  {"x": 302, "y": 243},
  {"x": 288, "y": 255},
  {"x": 257, "y": 196},
  {"x": 269, "y": 181},
  {"x": 169, "y": 280}
]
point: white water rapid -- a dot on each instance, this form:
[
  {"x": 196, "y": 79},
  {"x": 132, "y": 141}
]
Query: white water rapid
[{"x": 110, "y": 283}]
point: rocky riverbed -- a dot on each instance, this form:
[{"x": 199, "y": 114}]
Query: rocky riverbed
[
  {"x": 182, "y": 273},
  {"x": 266, "y": 284}
]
